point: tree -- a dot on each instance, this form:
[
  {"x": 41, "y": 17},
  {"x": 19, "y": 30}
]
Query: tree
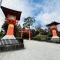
[
  {"x": 58, "y": 32},
  {"x": 16, "y": 31},
  {"x": 4, "y": 27},
  {"x": 19, "y": 26},
  {"x": 38, "y": 27},
  {"x": 34, "y": 33},
  {"x": 40, "y": 30},
  {"x": 28, "y": 22}
]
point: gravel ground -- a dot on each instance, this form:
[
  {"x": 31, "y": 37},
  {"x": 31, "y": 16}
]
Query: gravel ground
[{"x": 34, "y": 50}]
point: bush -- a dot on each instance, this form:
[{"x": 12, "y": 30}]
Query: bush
[
  {"x": 40, "y": 38},
  {"x": 36, "y": 38}
]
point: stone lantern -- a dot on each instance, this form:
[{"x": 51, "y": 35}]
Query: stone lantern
[
  {"x": 11, "y": 17},
  {"x": 53, "y": 27},
  {"x": 9, "y": 41}
]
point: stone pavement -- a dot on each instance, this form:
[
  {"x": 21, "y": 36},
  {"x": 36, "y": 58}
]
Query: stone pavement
[{"x": 34, "y": 50}]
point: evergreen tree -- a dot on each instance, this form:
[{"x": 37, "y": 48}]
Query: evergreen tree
[{"x": 28, "y": 22}]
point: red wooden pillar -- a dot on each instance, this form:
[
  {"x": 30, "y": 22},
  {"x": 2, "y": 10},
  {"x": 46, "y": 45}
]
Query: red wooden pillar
[
  {"x": 21, "y": 33},
  {"x": 29, "y": 34}
]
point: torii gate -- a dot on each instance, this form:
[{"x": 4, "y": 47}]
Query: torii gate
[{"x": 24, "y": 30}]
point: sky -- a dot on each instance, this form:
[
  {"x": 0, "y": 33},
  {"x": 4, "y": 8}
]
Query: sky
[{"x": 44, "y": 11}]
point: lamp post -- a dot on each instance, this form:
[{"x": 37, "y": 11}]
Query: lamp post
[
  {"x": 11, "y": 17},
  {"x": 53, "y": 27}
]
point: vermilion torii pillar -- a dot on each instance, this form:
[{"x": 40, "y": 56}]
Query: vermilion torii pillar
[
  {"x": 11, "y": 17},
  {"x": 53, "y": 28}
]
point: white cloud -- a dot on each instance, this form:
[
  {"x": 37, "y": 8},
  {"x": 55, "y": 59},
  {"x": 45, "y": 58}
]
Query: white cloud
[
  {"x": 49, "y": 17},
  {"x": 19, "y": 5},
  {"x": 50, "y": 11},
  {"x": 1, "y": 19}
]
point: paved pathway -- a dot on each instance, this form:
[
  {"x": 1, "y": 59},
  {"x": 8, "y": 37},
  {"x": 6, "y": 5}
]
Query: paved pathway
[{"x": 34, "y": 50}]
